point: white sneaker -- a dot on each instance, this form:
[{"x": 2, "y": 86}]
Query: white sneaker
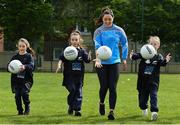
[
  {"x": 145, "y": 112},
  {"x": 154, "y": 116}
]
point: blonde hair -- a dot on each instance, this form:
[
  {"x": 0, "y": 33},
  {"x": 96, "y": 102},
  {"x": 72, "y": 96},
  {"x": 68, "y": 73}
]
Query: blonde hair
[
  {"x": 77, "y": 33},
  {"x": 29, "y": 49},
  {"x": 24, "y": 41},
  {"x": 154, "y": 38}
]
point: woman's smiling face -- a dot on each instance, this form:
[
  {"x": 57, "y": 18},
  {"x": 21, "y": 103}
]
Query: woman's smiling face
[{"x": 108, "y": 20}]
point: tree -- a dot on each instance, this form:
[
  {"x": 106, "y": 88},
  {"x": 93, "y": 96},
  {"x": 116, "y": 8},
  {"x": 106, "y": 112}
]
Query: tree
[
  {"x": 69, "y": 12},
  {"x": 31, "y": 19},
  {"x": 24, "y": 18},
  {"x": 161, "y": 17}
]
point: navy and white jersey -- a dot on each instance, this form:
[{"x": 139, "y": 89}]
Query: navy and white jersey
[
  {"x": 149, "y": 70},
  {"x": 112, "y": 37},
  {"x": 74, "y": 70},
  {"x": 25, "y": 76}
]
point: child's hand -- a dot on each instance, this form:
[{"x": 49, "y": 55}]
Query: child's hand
[
  {"x": 98, "y": 63},
  {"x": 131, "y": 53},
  {"x": 58, "y": 68},
  {"x": 168, "y": 57},
  {"x": 89, "y": 55},
  {"x": 22, "y": 68}
]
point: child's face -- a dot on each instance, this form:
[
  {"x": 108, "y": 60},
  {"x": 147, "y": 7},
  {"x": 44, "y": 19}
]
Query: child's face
[
  {"x": 22, "y": 47},
  {"x": 75, "y": 40},
  {"x": 155, "y": 44},
  {"x": 107, "y": 20}
]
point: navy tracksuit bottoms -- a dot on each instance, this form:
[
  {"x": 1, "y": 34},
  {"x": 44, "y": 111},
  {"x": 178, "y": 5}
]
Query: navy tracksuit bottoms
[
  {"x": 74, "y": 99},
  {"x": 22, "y": 93},
  {"x": 151, "y": 90}
]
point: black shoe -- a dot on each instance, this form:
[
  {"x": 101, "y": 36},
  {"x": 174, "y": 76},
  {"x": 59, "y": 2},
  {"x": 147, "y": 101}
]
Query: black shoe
[
  {"x": 102, "y": 109},
  {"x": 70, "y": 111},
  {"x": 111, "y": 115},
  {"x": 77, "y": 113},
  {"x": 20, "y": 112},
  {"x": 27, "y": 110}
]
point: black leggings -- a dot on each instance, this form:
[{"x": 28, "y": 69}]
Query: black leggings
[{"x": 108, "y": 77}]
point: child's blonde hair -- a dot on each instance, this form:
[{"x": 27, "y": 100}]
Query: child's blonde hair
[
  {"x": 29, "y": 49},
  {"x": 24, "y": 41},
  {"x": 154, "y": 38}
]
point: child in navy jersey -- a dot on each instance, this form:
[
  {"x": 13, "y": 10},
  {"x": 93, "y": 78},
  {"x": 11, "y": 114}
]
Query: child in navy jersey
[
  {"x": 74, "y": 73},
  {"x": 148, "y": 78},
  {"x": 22, "y": 82}
]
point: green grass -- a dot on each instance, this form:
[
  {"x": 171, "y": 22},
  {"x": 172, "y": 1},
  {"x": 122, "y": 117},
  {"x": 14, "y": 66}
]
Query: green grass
[{"x": 48, "y": 101}]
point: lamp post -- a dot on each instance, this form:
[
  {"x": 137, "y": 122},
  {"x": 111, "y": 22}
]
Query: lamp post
[
  {"x": 142, "y": 20},
  {"x": 1, "y": 40},
  {"x": 51, "y": 37},
  {"x": 142, "y": 28}
]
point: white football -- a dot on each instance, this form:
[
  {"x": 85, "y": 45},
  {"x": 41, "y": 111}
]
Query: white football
[
  {"x": 14, "y": 66},
  {"x": 70, "y": 53},
  {"x": 104, "y": 53},
  {"x": 148, "y": 51}
]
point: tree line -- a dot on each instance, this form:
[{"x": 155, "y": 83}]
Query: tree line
[{"x": 139, "y": 18}]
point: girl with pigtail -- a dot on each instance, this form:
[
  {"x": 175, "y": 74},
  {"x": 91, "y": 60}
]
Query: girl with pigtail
[
  {"x": 73, "y": 73},
  {"x": 22, "y": 82}
]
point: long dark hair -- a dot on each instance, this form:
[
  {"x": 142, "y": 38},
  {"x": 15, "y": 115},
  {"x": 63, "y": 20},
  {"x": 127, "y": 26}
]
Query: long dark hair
[{"x": 104, "y": 10}]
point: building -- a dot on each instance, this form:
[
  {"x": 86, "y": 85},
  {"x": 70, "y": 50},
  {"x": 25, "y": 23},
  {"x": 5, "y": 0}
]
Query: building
[{"x": 54, "y": 45}]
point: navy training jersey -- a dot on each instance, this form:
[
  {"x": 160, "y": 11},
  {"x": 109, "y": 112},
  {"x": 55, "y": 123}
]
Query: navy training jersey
[
  {"x": 74, "y": 70},
  {"x": 149, "y": 70},
  {"x": 25, "y": 76}
]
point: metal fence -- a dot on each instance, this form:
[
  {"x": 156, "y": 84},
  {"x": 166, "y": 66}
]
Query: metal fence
[{"x": 50, "y": 66}]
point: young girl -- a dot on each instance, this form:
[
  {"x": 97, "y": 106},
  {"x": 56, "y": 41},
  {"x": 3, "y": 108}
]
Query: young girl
[
  {"x": 74, "y": 74},
  {"x": 148, "y": 78},
  {"x": 23, "y": 81}
]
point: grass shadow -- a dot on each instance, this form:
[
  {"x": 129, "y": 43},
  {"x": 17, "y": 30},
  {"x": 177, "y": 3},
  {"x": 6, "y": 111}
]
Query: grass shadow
[{"x": 90, "y": 119}]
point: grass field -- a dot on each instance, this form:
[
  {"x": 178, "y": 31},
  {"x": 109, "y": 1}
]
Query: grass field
[{"x": 48, "y": 101}]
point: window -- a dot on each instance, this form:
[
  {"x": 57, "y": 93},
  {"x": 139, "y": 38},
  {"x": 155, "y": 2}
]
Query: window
[{"x": 56, "y": 53}]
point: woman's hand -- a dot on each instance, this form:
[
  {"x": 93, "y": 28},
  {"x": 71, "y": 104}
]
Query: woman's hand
[
  {"x": 124, "y": 65},
  {"x": 98, "y": 63}
]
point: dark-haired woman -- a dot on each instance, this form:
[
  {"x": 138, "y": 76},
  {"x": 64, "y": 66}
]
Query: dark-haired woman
[{"x": 110, "y": 35}]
